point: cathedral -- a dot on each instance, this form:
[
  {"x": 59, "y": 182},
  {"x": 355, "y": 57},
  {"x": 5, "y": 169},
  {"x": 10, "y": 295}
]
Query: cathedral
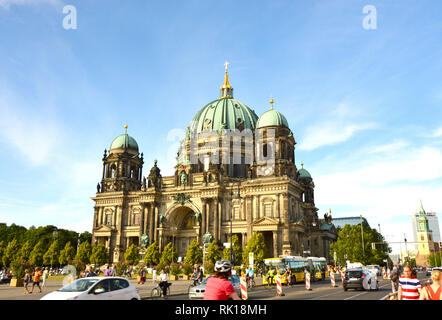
[{"x": 235, "y": 174}]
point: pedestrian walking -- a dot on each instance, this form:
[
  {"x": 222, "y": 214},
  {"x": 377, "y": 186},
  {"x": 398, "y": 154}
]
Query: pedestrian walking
[
  {"x": 36, "y": 278},
  {"x": 434, "y": 290},
  {"x": 113, "y": 271},
  {"x": 107, "y": 271},
  {"x": 394, "y": 277},
  {"x": 409, "y": 286},
  {"x": 26, "y": 280},
  {"x": 154, "y": 274},
  {"x": 45, "y": 276}
]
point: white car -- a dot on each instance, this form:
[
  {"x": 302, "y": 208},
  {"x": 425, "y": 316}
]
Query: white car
[{"x": 96, "y": 288}]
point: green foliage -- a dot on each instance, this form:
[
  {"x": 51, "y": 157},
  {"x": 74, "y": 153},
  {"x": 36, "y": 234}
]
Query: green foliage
[
  {"x": 52, "y": 254},
  {"x": 194, "y": 253},
  {"x": 162, "y": 266},
  {"x": 237, "y": 251},
  {"x": 11, "y": 253},
  {"x": 213, "y": 253},
  {"x": 175, "y": 269},
  {"x": 19, "y": 266},
  {"x": 131, "y": 255},
  {"x": 36, "y": 257},
  {"x": 99, "y": 255},
  {"x": 67, "y": 254},
  {"x": 121, "y": 267},
  {"x": 84, "y": 252},
  {"x": 187, "y": 269},
  {"x": 349, "y": 243},
  {"x": 2, "y": 251},
  {"x": 25, "y": 251},
  {"x": 434, "y": 259},
  {"x": 209, "y": 267},
  {"x": 166, "y": 256},
  {"x": 86, "y": 237},
  {"x": 256, "y": 245},
  {"x": 153, "y": 255}
]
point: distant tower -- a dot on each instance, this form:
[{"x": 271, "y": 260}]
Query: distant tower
[{"x": 424, "y": 238}]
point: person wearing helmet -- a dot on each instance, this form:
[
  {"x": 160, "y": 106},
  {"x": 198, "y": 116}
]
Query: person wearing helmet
[{"x": 219, "y": 287}]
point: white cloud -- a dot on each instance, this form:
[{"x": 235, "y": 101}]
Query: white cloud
[
  {"x": 331, "y": 133},
  {"x": 389, "y": 147},
  {"x": 336, "y": 126},
  {"x": 437, "y": 133}
]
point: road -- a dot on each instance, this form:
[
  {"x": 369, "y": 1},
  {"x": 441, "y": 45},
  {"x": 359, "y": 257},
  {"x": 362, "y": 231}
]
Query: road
[{"x": 321, "y": 290}]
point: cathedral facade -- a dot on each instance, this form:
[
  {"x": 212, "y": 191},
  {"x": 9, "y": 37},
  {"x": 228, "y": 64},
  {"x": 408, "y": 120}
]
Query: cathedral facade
[{"x": 235, "y": 174}]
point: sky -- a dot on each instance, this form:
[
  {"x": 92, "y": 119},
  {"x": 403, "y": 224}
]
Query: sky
[{"x": 364, "y": 103}]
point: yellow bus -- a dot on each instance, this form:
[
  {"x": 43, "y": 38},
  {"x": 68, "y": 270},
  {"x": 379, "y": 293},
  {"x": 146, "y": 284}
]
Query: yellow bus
[{"x": 297, "y": 265}]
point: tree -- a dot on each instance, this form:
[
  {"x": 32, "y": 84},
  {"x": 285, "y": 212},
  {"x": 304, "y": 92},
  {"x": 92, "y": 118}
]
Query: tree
[
  {"x": 86, "y": 237},
  {"x": 99, "y": 255},
  {"x": 67, "y": 254},
  {"x": 256, "y": 244},
  {"x": 36, "y": 257},
  {"x": 11, "y": 252},
  {"x": 194, "y": 253},
  {"x": 213, "y": 253},
  {"x": 84, "y": 252},
  {"x": 25, "y": 251},
  {"x": 52, "y": 255},
  {"x": 2, "y": 252},
  {"x": 131, "y": 255},
  {"x": 153, "y": 255},
  {"x": 166, "y": 256},
  {"x": 434, "y": 259},
  {"x": 349, "y": 244},
  {"x": 237, "y": 251}
]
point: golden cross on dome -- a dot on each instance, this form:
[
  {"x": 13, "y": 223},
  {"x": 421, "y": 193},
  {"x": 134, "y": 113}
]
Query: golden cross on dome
[
  {"x": 271, "y": 102},
  {"x": 125, "y": 128},
  {"x": 226, "y": 64},
  {"x": 302, "y": 165}
]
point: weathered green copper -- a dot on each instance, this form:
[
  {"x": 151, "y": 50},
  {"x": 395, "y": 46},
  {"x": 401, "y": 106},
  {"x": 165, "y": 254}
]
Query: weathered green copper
[
  {"x": 124, "y": 141},
  {"x": 272, "y": 118}
]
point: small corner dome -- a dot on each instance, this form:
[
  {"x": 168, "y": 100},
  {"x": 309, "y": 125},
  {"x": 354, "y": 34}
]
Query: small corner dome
[
  {"x": 304, "y": 174},
  {"x": 124, "y": 142},
  {"x": 272, "y": 118}
]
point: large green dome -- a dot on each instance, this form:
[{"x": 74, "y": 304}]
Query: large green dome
[
  {"x": 272, "y": 118},
  {"x": 224, "y": 113},
  {"x": 124, "y": 142}
]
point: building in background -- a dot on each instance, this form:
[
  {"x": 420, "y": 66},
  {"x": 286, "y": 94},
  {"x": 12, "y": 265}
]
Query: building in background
[
  {"x": 433, "y": 224},
  {"x": 207, "y": 200},
  {"x": 353, "y": 221},
  {"x": 424, "y": 238}
]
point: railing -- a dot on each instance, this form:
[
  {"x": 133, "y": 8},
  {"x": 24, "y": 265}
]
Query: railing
[{"x": 390, "y": 296}]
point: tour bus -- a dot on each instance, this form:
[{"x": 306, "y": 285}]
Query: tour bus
[{"x": 296, "y": 264}]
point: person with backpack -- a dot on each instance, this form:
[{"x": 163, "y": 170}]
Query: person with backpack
[{"x": 433, "y": 291}]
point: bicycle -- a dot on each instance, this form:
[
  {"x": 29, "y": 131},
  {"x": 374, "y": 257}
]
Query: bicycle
[
  {"x": 250, "y": 283},
  {"x": 157, "y": 292}
]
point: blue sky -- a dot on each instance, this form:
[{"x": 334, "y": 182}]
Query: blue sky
[{"x": 364, "y": 105}]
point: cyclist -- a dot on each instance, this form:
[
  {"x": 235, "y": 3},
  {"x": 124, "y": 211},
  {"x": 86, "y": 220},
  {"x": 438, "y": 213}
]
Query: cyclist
[
  {"x": 197, "y": 275},
  {"x": 163, "y": 282},
  {"x": 250, "y": 276},
  {"x": 219, "y": 287}
]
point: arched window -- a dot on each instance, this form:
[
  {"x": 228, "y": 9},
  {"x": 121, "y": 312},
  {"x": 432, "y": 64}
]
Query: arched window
[
  {"x": 264, "y": 150},
  {"x": 113, "y": 170}
]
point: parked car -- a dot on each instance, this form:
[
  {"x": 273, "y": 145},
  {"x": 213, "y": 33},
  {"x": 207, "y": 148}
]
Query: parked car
[
  {"x": 96, "y": 288},
  {"x": 429, "y": 269},
  {"x": 5, "y": 279},
  {"x": 197, "y": 292},
  {"x": 360, "y": 278}
]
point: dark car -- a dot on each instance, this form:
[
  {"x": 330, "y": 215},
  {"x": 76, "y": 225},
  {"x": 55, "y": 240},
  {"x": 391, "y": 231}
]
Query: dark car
[
  {"x": 354, "y": 278},
  {"x": 5, "y": 279}
]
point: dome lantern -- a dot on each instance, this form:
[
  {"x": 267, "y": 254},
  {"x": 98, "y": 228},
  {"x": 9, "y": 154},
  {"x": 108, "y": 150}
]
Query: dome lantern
[{"x": 226, "y": 90}]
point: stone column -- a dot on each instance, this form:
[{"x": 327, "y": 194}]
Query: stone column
[
  {"x": 150, "y": 214},
  {"x": 278, "y": 207},
  {"x": 220, "y": 213},
  {"x": 249, "y": 215},
  {"x": 208, "y": 216},
  {"x": 215, "y": 220},
  {"x": 203, "y": 224},
  {"x": 286, "y": 247},
  {"x": 104, "y": 166},
  {"x": 155, "y": 221},
  {"x": 275, "y": 244},
  {"x": 116, "y": 222}
]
